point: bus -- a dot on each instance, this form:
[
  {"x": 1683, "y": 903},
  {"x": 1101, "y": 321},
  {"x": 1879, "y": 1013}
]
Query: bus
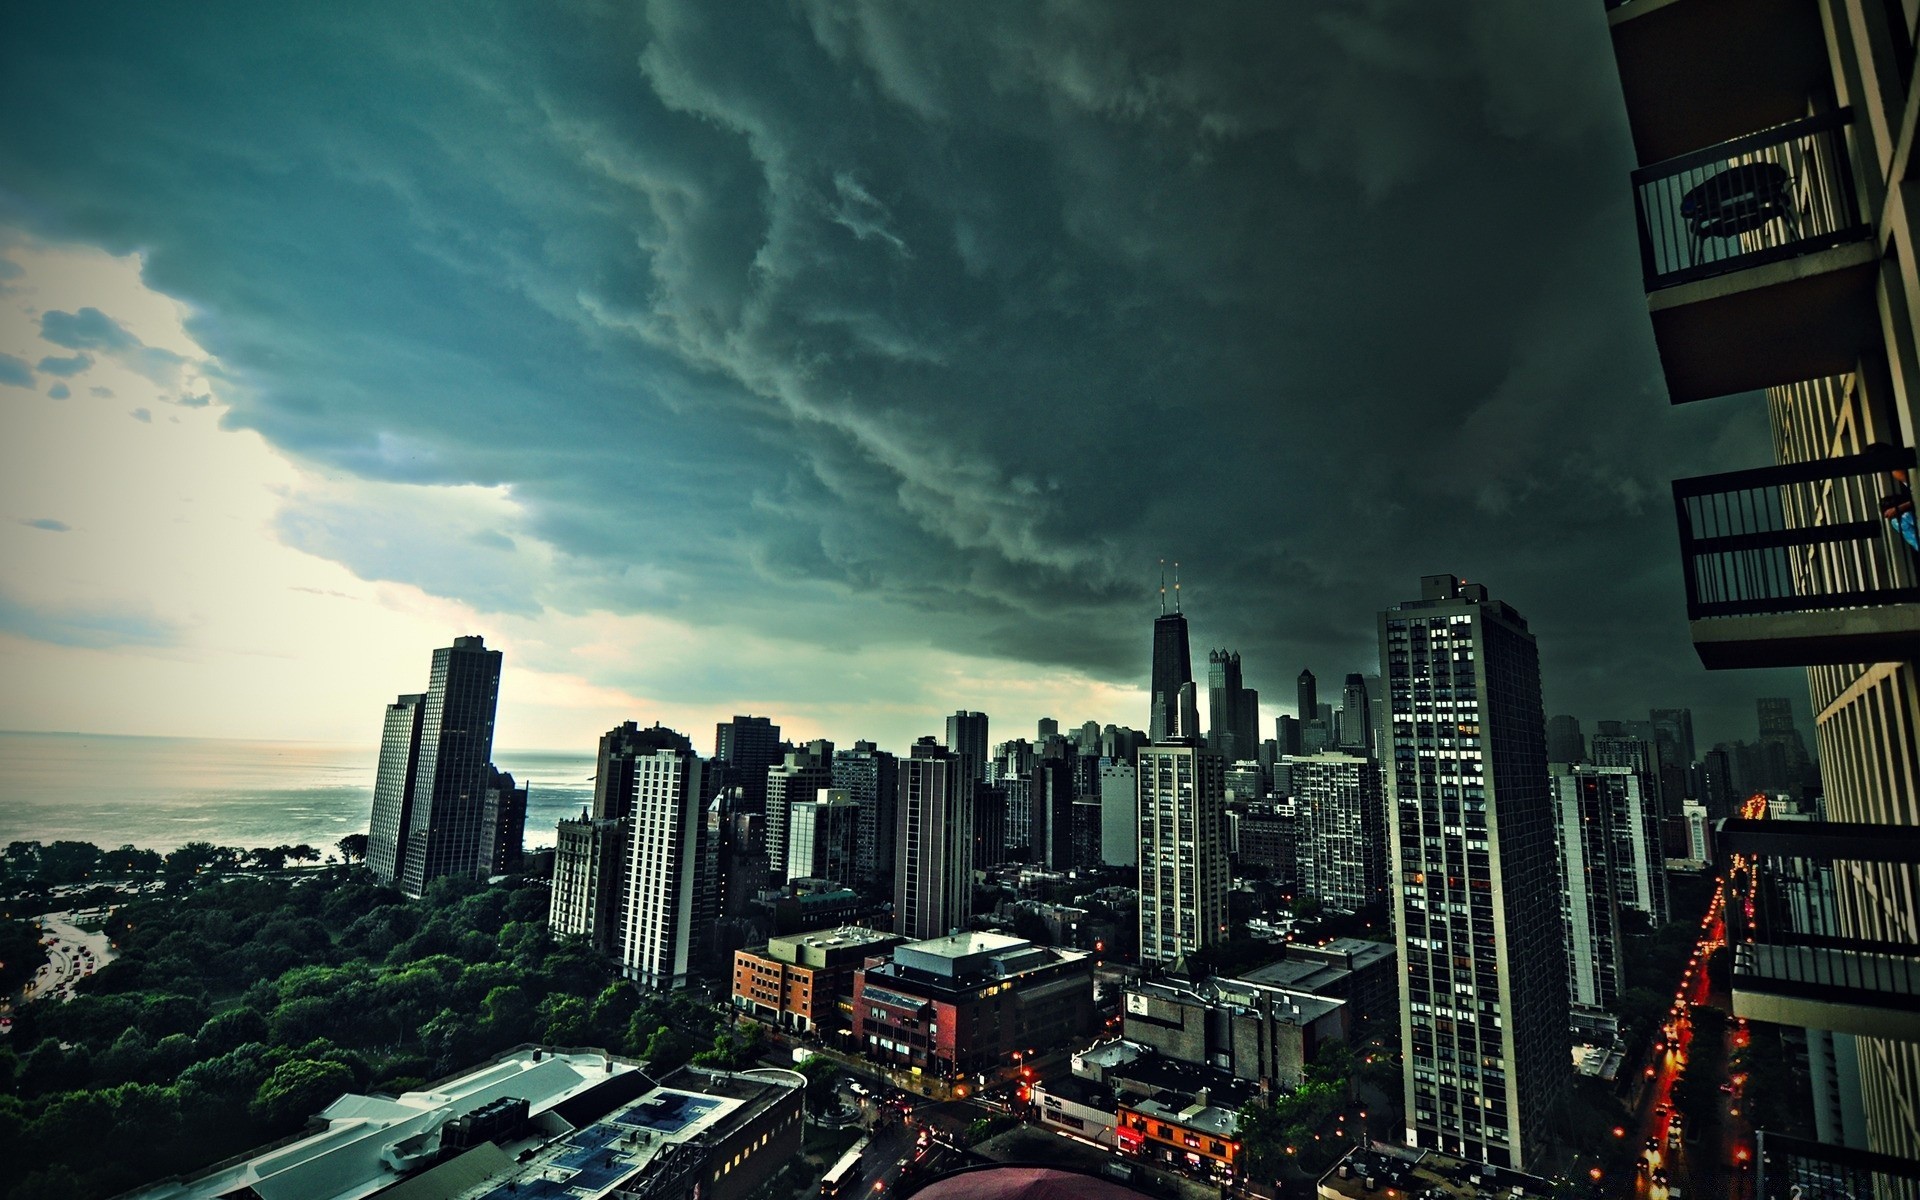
[{"x": 846, "y": 1172}]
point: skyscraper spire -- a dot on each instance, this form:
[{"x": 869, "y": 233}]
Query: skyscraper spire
[
  {"x": 1176, "y": 585},
  {"x": 1163, "y": 587}
]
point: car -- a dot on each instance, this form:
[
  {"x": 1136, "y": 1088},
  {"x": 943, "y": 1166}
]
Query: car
[{"x": 1727, "y": 1088}]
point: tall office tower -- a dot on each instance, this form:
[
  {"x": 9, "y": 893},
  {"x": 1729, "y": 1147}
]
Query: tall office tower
[
  {"x": 1483, "y": 1018},
  {"x": 1637, "y": 824},
  {"x": 1342, "y": 822},
  {"x": 871, "y": 779},
  {"x": 1089, "y": 739},
  {"x": 967, "y": 738},
  {"x": 1717, "y": 789},
  {"x": 1356, "y": 715},
  {"x": 589, "y": 869},
  {"x": 393, "y": 787},
  {"x": 1673, "y": 734},
  {"x": 1050, "y": 843},
  {"x": 1584, "y": 802},
  {"x": 1307, "y": 697},
  {"x": 504, "y": 815},
  {"x": 1048, "y": 727},
  {"x": 667, "y": 836},
  {"x": 1119, "y": 818},
  {"x": 1565, "y": 742},
  {"x": 1782, "y": 749},
  {"x": 1233, "y": 711},
  {"x": 794, "y": 781},
  {"x": 1172, "y": 671},
  {"x": 1183, "y": 850},
  {"x": 448, "y": 834},
  {"x": 933, "y": 875},
  {"x": 1286, "y": 735},
  {"x": 1316, "y": 736},
  {"x": 743, "y": 749},
  {"x": 822, "y": 836}
]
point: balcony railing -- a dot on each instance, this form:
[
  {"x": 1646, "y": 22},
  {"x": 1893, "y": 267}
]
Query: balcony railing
[
  {"x": 1772, "y": 195},
  {"x": 1798, "y": 538}
]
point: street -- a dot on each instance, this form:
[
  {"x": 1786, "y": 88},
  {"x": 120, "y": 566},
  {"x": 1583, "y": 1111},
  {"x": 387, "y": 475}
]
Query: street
[{"x": 71, "y": 953}]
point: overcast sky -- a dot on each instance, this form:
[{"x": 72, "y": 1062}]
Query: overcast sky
[{"x": 843, "y": 362}]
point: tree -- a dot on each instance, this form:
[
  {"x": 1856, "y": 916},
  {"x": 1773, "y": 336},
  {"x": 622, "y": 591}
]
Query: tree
[
  {"x": 820, "y": 1073},
  {"x": 353, "y": 847},
  {"x": 21, "y": 954},
  {"x": 299, "y": 1089}
]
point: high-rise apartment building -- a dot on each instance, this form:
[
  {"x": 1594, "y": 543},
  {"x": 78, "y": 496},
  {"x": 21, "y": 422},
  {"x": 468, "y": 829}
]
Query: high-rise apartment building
[
  {"x": 1793, "y": 270},
  {"x": 1483, "y": 1018},
  {"x": 1233, "y": 710},
  {"x": 1637, "y": 824},
  {"x": 667, "y": 849},
  {"x": 933, "y": 872},
  {"x": 589, "y": 871},
  {"x": 1183, "y": 850},
  {"x": 871, "y": 779},
  {"x": 447, "y": 832},
  {"x": 393, "y": 787},
  {"x": 503, "y": 815},
  {"x": 821, "y": 837},
  {"x": 967, "y": 739},
  {"x": 1342, "y": 855},
  {"x": 1119, "y": 818},
  {"x": 1050, "y": 842},
  {"x": 796, "y": 780},
  {"x": 1585, "y": 799}
]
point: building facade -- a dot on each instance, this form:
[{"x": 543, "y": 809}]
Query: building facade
[
  {"x": 666, "y": 848},
  {"x": 589, "y": 871},
  {"x": 1584, "y": 801},
  {"x": 447, "y": 832},
  {"x": 933, "y": 871},
  {"x": 1341, "y": 821},
  {"x": 871, "y": 779},
  {"x": 1183, "y": 851},
  {"x": 802, "y": 981},
  {"x": 1476, "y": 880},
  {"x": 1119, "y": 819},
  {"x": 821, "y": 838},
  {"x": 393, "y": 787}
]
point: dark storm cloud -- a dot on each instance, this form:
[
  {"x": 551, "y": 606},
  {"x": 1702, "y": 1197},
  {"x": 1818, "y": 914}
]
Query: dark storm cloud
[
  {"x": 868, "y": 322},
  {"x": 87, "y": 329}
]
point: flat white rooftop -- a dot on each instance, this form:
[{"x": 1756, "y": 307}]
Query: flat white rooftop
[{"x": 372, "y": 1142}]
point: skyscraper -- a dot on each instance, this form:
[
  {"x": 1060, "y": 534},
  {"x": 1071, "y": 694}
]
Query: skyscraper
[
  {"x": 1172, "y": 670},
  {"x": 1356, "y": 715},
  {"x": 1673, "y": 735},
  {"x": 1483, "y": 1019},
  {"x": 1051, "y": 841},
  {"x": 1183, "y": 850},
  {"x": 871, "y": 779},
  {"x": 1342, "y": 827},
  {"x": 743, "y": 749},
  {"x": 393, "y": 787},
  {"x": 1565, "y": 742},
  {"x": 933, "y": 875},
  {"x": 1233, "y": 711},
  {"x": 967, "y": 738},
  {"x": 666, "y": 849},
  {"x": 613, "y": 777},
  {"x": 1584, "y": 800},
  {"x": 448, "y": 833},
  {"x": 504, "y": 817},
  {"x": 1119, "y": 820},
  {"x": 1307, "y": 697},
  {"x": 589, "y": 874}
]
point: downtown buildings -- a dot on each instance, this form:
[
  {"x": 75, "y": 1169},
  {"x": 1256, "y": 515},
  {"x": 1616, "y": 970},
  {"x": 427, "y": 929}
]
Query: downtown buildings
[
  {"x": 1483, "y": 1021},
  {"x": 439, "y": 807},
  {"x": 1778, "y": 247}
]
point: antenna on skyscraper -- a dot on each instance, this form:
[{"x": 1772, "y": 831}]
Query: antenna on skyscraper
[
  {"x": 1176, "y": 586},
  {"x": 1163, "y": 587}
]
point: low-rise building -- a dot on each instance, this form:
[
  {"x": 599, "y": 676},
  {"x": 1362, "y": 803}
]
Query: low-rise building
[
  {"x": 963, "y": 1005},
  {"x": 1251, "y": 1031},
  {"x": 1370, "y": 1173},
  {"x": 1179, "y": 1113},
  {"x": 1363, "y": 973},
  {"x": 533, "y": 1122},
  {"x": 800, "y": 981},
  {"x": 1076, "y": 1106}
]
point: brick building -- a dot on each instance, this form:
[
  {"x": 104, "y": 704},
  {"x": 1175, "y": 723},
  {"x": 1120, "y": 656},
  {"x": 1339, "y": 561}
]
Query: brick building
[
  {"x": 962, "y": 1005},
  {"x": 798, "y": 981}
]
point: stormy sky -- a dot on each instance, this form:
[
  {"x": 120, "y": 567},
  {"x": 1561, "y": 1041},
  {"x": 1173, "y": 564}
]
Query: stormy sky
[{"x": 847, "y": 362}]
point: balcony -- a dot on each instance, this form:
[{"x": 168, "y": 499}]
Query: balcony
[
  {"x": 1759, "y": 264},
  {"x": 1697, "y": 72},
  {"x": 1788, "y": 1166},
  {"x": 1794, "y": 565},
  {"x": 1797, "y": 956}
]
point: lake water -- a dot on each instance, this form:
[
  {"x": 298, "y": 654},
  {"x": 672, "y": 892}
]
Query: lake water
[{"x": 159, "y": 793}]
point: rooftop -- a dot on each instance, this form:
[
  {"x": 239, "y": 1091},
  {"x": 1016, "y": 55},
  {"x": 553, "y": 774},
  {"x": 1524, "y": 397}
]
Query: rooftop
[
  {"x": 1425, "y": 1173},
  {"x": 1205, "y": 1099},
  {"x": 831, "y": 939},
  {"x": 959, "y": 945}
]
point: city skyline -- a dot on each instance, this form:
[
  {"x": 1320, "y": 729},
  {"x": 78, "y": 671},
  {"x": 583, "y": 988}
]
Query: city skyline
[{"x": 604, "y": 449}]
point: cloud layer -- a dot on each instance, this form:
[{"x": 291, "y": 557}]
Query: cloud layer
[{"x": 858, "y": 326}]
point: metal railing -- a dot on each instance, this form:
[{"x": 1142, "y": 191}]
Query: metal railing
[
  {"x": 1801, "y": 537},
  {"x": 1791, "y": 1168},
  {"x": 1771, "y": 195}
]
